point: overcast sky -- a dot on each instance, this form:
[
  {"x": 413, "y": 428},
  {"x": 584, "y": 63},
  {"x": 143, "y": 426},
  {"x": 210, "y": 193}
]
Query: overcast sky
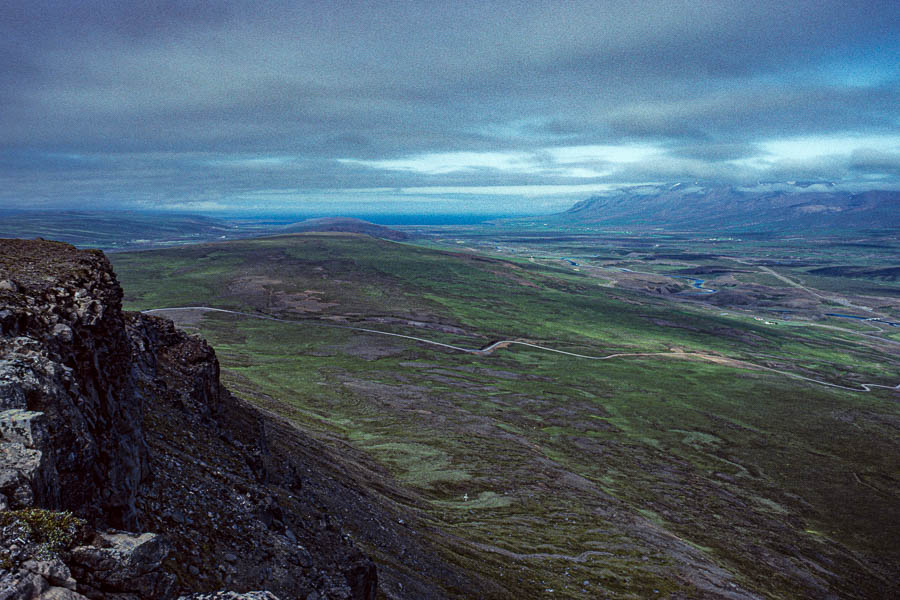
[{"x": 447, "y": 106}]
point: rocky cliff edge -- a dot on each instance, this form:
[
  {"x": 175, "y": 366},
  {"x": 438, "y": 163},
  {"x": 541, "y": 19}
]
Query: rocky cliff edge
[{"x": 127, "y": 471}]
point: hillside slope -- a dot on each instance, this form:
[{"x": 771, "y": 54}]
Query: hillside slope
[{"x": 675, "y": 469}]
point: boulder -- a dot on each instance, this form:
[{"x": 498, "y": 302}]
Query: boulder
[
  {"x": 124, "y": 563},
  {"x": 61, "y": 593},
  {"x": 54, "y": 570}
]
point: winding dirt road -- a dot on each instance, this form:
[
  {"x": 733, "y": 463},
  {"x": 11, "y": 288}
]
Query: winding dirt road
[{"x": 862, "y": 387}]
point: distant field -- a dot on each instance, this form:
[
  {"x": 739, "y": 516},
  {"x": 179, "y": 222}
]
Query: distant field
[{"x": 626, "y": 478}]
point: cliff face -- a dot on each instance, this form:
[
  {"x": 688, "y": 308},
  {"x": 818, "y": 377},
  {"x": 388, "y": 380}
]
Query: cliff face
[
  {"x": 236, "y": 511},
  {"x": 120, "y": 419},
  {"x": 66, "y": 355}
]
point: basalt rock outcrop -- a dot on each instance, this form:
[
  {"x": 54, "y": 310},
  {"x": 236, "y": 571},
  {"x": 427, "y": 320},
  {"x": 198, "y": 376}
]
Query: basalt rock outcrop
[
  {"x": 127, "y": 471},
  {"x": 64, "y": 352}
]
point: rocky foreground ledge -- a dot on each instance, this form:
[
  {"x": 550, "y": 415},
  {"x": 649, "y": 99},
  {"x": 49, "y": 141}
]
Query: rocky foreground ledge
[{"x": 127, "y": 471}]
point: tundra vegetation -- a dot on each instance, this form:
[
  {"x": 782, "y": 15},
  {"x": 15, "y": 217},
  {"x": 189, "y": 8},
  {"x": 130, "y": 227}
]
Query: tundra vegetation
[{"x": 697, "y": 461}]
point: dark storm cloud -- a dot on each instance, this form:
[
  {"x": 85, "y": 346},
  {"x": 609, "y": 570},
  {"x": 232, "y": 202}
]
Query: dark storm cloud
[
  {"x": 713, "y": 152},
  {"x": 751, "y": 112},
  {"x": 867, "y": 161},
  {"x": 177, "y": 100}
]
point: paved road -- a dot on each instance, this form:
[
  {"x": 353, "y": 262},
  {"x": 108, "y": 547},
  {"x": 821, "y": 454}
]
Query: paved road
[{"x": 863, "y": 387}]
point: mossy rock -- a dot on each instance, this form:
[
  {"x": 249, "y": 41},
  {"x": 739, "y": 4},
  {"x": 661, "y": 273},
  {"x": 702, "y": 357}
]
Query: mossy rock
[{"x": 57, "y": 531}]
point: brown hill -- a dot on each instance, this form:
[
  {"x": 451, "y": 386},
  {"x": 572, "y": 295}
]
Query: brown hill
[{"x": 348, "y": 225}]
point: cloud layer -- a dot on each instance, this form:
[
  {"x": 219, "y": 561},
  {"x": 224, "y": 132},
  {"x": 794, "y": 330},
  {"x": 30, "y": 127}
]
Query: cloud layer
[{"x": 308, "y": 106}]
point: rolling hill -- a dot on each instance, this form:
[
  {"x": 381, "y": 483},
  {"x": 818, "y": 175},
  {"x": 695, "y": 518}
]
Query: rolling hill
[{"x": 347, "y": 225}]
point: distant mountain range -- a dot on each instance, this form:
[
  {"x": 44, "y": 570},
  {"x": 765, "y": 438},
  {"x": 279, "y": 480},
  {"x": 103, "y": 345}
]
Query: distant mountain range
[
  {"x": 345, "y": 224},
  {"x": 700, "y": 208},
  {"x": 114, "y": 229}
]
